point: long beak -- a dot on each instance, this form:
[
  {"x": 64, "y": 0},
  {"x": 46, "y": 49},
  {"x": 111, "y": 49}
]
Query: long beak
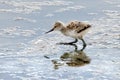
[{"x": 50, "y": 30}]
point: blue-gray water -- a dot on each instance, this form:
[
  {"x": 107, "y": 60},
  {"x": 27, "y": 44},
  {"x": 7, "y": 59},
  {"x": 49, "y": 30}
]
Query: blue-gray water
[{"x": 26, "y": 53}]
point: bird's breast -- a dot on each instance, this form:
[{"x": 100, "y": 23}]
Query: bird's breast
[{"x": 72, "y": 33}]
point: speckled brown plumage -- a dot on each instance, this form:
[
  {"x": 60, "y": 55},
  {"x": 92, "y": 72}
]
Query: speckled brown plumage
[{"x": 74, "y": 29}]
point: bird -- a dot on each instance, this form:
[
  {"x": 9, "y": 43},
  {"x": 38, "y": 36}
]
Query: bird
[{"x": 75, "y": 29}]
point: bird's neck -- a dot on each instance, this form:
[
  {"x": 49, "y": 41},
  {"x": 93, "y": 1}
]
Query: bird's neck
[{"x": 63, "y": 30}]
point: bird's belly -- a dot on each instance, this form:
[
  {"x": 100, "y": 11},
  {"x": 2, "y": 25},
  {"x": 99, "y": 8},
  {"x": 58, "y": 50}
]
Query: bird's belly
[
  {"x": 83, "y": 32},
  {"x": 72, "y": 34},
  {"x": 75, "y": 34}
]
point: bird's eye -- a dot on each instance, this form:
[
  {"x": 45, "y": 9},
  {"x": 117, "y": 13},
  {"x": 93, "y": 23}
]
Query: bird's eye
[{"x": 88, "y": 25}]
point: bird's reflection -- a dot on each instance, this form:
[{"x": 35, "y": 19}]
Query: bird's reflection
[{"x": 73, "y": 58}]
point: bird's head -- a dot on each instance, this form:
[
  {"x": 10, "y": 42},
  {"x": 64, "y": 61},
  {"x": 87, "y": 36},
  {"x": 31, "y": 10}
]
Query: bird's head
[{"x": 56, "y": 27}]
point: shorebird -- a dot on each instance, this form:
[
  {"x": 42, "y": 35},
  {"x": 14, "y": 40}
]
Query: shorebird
[{"x": 74, "y": 29}]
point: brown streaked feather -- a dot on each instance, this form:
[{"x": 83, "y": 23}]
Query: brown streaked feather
[
  {"x": 72, "y": 25},
  {"x": 84, "y": 28},
  {"x": 77, "y": 26}
]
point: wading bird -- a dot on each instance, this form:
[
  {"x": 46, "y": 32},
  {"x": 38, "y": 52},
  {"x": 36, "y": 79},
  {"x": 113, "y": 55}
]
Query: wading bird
[{"x": 74, "y": 29}]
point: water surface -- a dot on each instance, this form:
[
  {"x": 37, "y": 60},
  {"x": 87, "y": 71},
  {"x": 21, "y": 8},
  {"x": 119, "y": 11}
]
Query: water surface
[{"x": 26, "y": 53}]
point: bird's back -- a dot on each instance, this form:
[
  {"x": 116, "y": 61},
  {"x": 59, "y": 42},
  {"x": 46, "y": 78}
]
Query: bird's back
[
  {"x": 76, "y": 25},
  {"x": 77, "y": 29}
]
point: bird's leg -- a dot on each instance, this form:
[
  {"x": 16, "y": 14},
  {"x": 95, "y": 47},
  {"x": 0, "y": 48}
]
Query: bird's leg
[
  {"x": 84, "y": 44},
  {"x": 76, "y": 40},
  {"x": 76, "y": 48}
]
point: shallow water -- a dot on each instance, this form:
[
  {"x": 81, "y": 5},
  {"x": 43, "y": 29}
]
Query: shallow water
[{"x": 26, "y": 53}]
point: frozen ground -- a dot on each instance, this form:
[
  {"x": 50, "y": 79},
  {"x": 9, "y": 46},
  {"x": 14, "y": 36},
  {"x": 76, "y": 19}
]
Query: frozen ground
[{"x": 26, "y": 53}]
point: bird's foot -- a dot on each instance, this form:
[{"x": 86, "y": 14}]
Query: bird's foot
[
  {"x": 84, "y": 46},
  {"x": 61, "y": 43}
]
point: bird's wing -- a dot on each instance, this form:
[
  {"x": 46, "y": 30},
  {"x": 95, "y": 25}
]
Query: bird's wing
[
  {"x": 72, "y": 25},
  {"x": 78, "y": 26},
  {"x": 83, "y": 27}
]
